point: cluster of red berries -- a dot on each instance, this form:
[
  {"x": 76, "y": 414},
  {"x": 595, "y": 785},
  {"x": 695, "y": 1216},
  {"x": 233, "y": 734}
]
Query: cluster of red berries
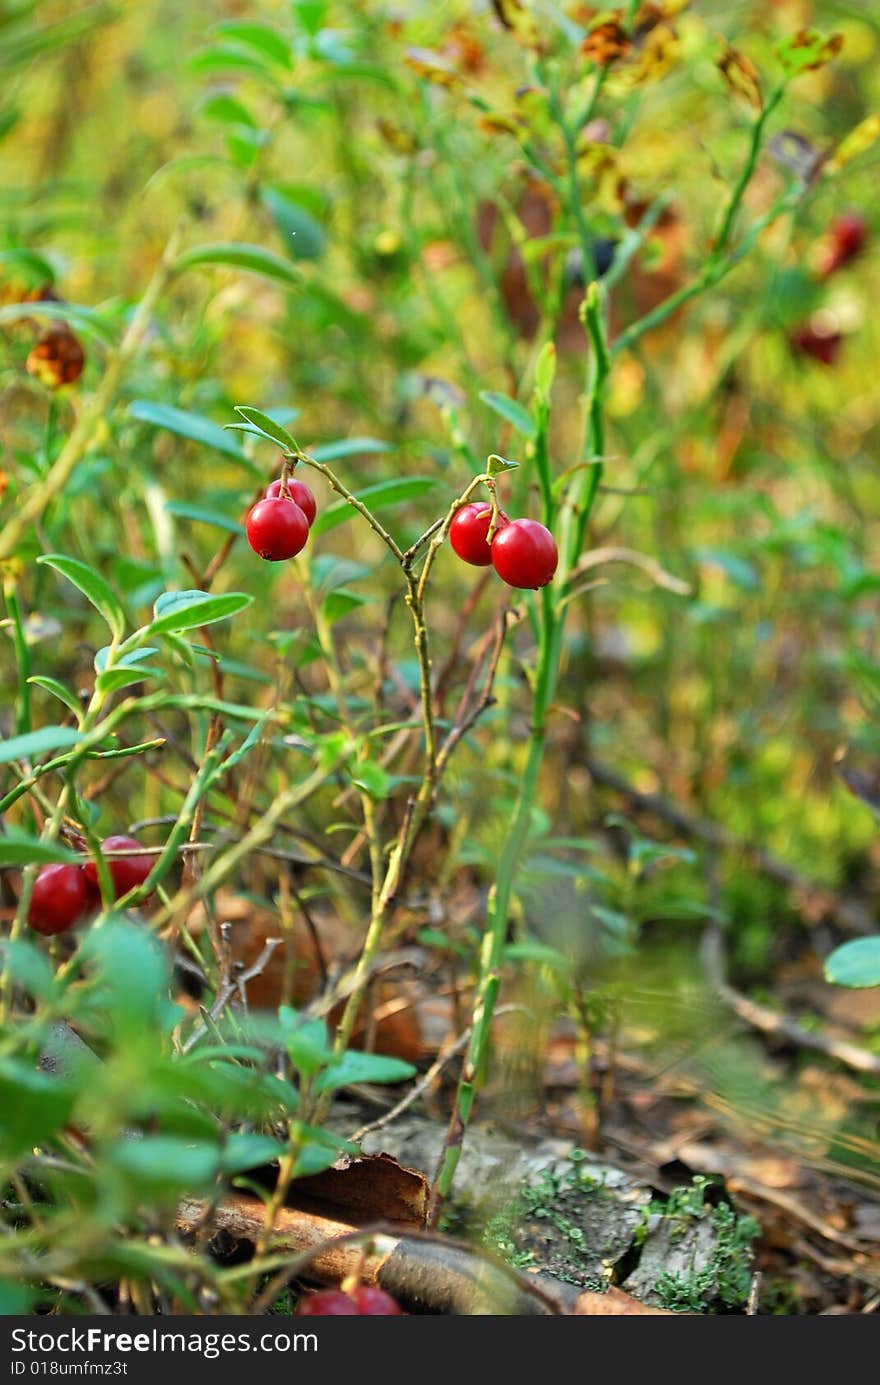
[
  {"x": 366, "y": 1301},
  {"x": 63, "y": 894},
  {"x": 522, "y": 551},
  {"x": 278, "y": 525}
]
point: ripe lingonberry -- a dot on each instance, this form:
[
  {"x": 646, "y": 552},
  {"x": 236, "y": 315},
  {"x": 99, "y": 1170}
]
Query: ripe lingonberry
[
  {"x": 524, "y": 554},
  {"x": 277, "y": 529},
  {"x": 373, "y": 1302},
  {"x": 61, "y": 896},
  {"x": 126, "y": 871},
  {"x": 326, "y": 1303},
  {"x": 823, "y": 346},
  {"x": 299, "y": 492},
  {"x": 846, "y": 239},
  {"x": 468, "y": 533}
]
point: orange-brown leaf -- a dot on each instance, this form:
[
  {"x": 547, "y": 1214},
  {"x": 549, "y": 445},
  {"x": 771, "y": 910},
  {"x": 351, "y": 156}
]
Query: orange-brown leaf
[
  {"x": 57, "y": 359},
  {"x": 741, "y": 75},
  {"x": 606, "y": 43}
]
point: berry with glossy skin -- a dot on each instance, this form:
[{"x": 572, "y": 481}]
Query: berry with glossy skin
[
  {"x": 60, "y": 897},
  {"x": 125, "y": 871},
  {"x": 373, "y": 1302},
  {"x": 299, "y": 492},
  {"x": 326, "y": 1303},
  {"x": 277, "y": 529},
  {"x": 468, "y": 533},
  {"x": 524, "y": 554}
]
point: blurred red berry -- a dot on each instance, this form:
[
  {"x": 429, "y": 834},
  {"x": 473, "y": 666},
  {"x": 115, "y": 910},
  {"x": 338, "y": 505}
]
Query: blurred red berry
[
  {"x": 822, "y": 346},
  {"x": 299, "y": 492},
  {"x": 125, "y": 871},
  {"x": 277, "y": 529},
  {"x": 326, "y": 1303},
  {"x": 524, "y": 554},
  {"x": 846, "y": 239},
  {"x": 60, "y": 897},
  {"x": 373, "y": 1302}
]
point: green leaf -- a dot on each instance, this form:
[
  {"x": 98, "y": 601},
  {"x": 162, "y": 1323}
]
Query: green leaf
[
  {"x": 262, "y": 38},
  {"x": 373, "y": 779},
  {"x": 133, "y": 975},
  {"x": 342, "y": 603},
  {"x": 20, "y": 850},
  {"x": 380, "y": 496},
  {"x": 164, "y": 1165},
  {"x": 123, "y": 677},
  {"x": 303, "y": 236},
  {"x": 182, "y": 510},
  {"x": 51, "y": 685},
  {"x": 314, "y": 1159},
  {"x": 348, "y": 447},
  {"x": 34, "y": 1107},
  {"x": 855, "y": 964},
  {"x": 80, "y": 320},
  {"x": 186, "y": 424},
  {"x": 363, "y": 1067},
  {"x": 307, "y": 1042},
  {"x": 227, "y": 109},
  {"x": 187, "y": 610},
  {"x": 807, "y": 50},
  {"x": 496, "y": 465},
  {"x": 248, "y": 1151},
  {"x": 530, "y": 950},
  {"x": 223, "y": 57},
  {"x": 34, "y": 743},
  {"x": 238, "y": 255},
  {"x": 29, "y": 968},
  {"x": 267, "y": 428},
  {"x": 38, "y": 269},
  {"x": 510, "y": 410},
  {"x": 93, "y": 587}
]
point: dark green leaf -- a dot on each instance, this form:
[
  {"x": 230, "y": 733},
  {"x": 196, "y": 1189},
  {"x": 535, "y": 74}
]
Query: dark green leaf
[
  {"x": 181, "y": 509},
  {"x": 261, "y": 38},
  {"x": 356, "y": 1067},
  {"x": 302, "y": 235},
  {"x": 34, "y": 743},
  {"x": 188, "y": 610},
  {"x": 22, "y": 851},
  {"x": 510, "y": 410},
  {"x": 93, "y": 588},
  {"x": 186, "y": 424},
  {"x": 237, "y": 255},
  {"x": 267, "y": 427},
  {"x": 380, "y": 496}
]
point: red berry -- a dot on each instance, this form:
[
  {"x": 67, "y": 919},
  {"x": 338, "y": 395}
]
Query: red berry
[
  {"x": 374, "y": 1302},
  {"x": 846, "y": 239},
  {"x": 469, "y": 530},
  {"x": 277, "y": 529},
  {"x": 60, "y": 897},
  {"x": 524, "y": 554},
  {"x": 126, "y": 871},
  {"x": 299, "y": 492},
  {"x": 326, "y": 1303},
  {"x": 822, "y": 346}
]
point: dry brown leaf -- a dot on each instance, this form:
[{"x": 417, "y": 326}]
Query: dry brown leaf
[
  {"x": 366, "y": 1189},
  {"x": 741, "y": 75}
]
